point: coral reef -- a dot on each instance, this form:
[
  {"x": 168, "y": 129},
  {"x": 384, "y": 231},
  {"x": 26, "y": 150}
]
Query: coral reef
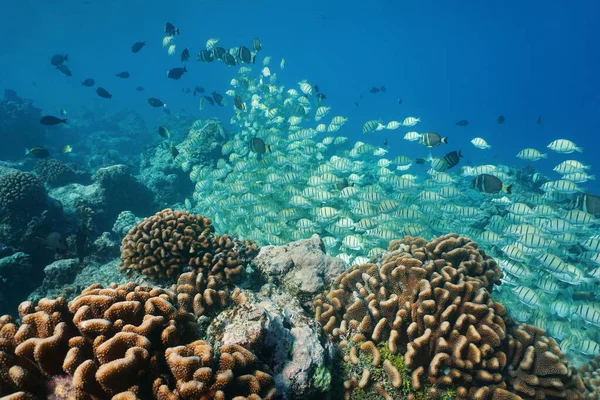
[
  {"x": 590, "y": 374},
  {"x": 124, "y": 222},
  {"x": 163, "y": 245},
  {"x": 22, "y": 195},
  {"x": 429, "y": 302},
  {"x": 57, "y": 173},
  {"x": 19, "y": 126}
]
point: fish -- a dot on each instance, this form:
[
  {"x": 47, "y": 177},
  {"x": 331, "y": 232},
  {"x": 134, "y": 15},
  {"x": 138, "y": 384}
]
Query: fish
[
  {"x": 218, "y": 98},
  {"x": 176, "y": 73},
  {"x": 37, "y": 152},
  {"x": 229, "y": 60},
  {"x": 123, "y": 75},
  {"x": 219, "y": 53},
  {"x": 589, "y": 203},
  {"x": 170, "y": 29},
  {"x": 210, "y": 100},
  {"x": 375, "y": 90},
  {"x": 239, "y": 103},
  {"x": 164, "y": 132},
  {"x": 64, "y": 69},
  {"x": 66, "y": 149},
  {"x": 198, "y": 89},
  {"x": 316, "y": 87},
  {"x": 480, "y": 143},
  {"x": 89, "y": 82},
  {"x": 489, "y": 184},
  {"x": 58, "y": 59},
  {"x": 452, "y": 159},
  {"x": 399, "y": 101},
  {"x": 154, "y": 102},
  {"x": 245, "y": 56},
  {"x": 137, "y": 46},
  {"x": 55, "y": 242},
  {"x": 385, "y": 142},
  {"x": 81, "y": 243},
  {"x": 501, "y": 119},
  {"x": 258, "y": 146},
  {"x": 185, "y": 54},
  {"x": 205, "y": 56},
  {"x": 462, "y": 122},
  {"x": 343, "y": 184},
  {"x": 539, "y": 120},
  {"x": 321, "y": 97},
  {"x": 173, "y": 150},
  {"x": 166, "y": 110},
  {"x": 103, "y": 93},
  {"x": 383, "y": 89},
  {"x": 256, "y": 44},
  {"x": 186, "y": 90},
  {"x": 432, "y": 139},
  {"x": 63, "y": 112},
  {"x": 52, "y": 120},
  {"x": 139, "y": 89},
  {"x": 420, "y": 161}
]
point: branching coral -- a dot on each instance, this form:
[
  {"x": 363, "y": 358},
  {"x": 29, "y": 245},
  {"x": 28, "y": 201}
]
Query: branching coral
[
  {"x": 590, "y": 374},
  {"x": 430, "y": 303},
  {"x": 163, "y": 245}
]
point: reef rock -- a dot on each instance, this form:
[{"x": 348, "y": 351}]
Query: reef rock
[
  {"x": 301, "y": 267},
  {"x": 14, "y": 279}
]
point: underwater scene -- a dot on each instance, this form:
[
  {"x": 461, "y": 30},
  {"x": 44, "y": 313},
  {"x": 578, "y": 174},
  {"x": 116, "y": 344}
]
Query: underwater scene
[{"x": 316, "y": 200}]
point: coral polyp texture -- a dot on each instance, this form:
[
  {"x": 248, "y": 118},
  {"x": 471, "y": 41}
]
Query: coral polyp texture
[
  {"x": 590, "y": 373},
  {"x": 163, "y": 245},
  {"x": 125, "y": 341},
  {"x": 54, "y": 172},
  {"x": 429, "y": 303},
  {"x": 21, "y": 191}
]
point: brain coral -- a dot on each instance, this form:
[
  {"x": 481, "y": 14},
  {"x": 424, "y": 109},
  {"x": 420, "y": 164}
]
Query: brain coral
[
  {"x": 163, "y": 245},
  {"x": 54, "y": 172},
  {"x": 22, "y": 192},
  {"x": 126, "y": 341},
  {"x": 430, "y": 303}
]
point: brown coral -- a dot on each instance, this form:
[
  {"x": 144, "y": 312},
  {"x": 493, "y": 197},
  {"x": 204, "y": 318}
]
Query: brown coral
[
  {"x": 54, "y": 172},
  {"x": 590, "y": 374},
  {"x": 430, "y": 302},
  {"x": 21, "y": 191},
  {"x": 163, "y": 245}
]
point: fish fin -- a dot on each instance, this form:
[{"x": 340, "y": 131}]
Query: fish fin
[
  {"x": 507, "y": 189},
  {"x": 429, "y": 157},
  {"x": 592, "y": 177},
  {"x": 268, "y": 147},
  {"x": 444, "y": 140},
  {"x": 27, "y": 152}
]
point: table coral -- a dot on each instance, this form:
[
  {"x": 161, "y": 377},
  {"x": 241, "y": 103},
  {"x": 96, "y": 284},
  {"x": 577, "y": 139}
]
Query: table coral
[
  {"x": 429, "y": 302},
  {"x": 163, "y": 245}
]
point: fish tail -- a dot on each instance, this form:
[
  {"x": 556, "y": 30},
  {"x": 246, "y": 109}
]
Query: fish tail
[
  {"x": 507, "y": 188},
  {"x": 184, "y": 69},
  {"x": 444, "y": 140},
  {"x": 27, "y": 152},
  {"x": 592, "y": 177},
  {"x": 460, "y": 153},
  {"x": 544, "y": 155},
  {"x": 579, "y": 149}
]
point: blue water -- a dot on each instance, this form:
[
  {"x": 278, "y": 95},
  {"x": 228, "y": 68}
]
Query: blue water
[{"x": 447, "y": 60}]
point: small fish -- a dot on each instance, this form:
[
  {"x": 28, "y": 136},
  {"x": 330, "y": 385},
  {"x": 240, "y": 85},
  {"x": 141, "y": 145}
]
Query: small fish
[
  {"x": 164, "y": 132},
  {"x": 256, "y": 44},
  {"x": 206, "y": 56},
  {"x": 342, "y": 184},
  {"x": 137, "y": 46},
  {"x": 258, "y": 146},
  {"x": 52, "y": 120},
  {"x": 139, "y": 89},
  {"x": 385, "y": 142},
  {"x": 170, "y": 29},
  {"x": 539, "y": 120},
  {"x": 186, "y": 90},
  {"x": 489, "y": 184},
  {"x": 123, "y": 75},
  {"x": 58, "y": 59},
  {"x": 185, "y": 54},
  {"x": 198, "y": 89},
  {"x": 89, "y": 82},
  {"x": 173, "y": 150},
  {"x": 239, "y": 103},
  {"x": 321, "y": 97},
  {"x": 81, "y": 243},
  {"x": 420, "y": 161},
  {"x": 219, "y": 53},
  {"x": 432, "y": 139},
  {"x": 103, "y": 93},
  {"x": 64, "y": 69},
  {"x": 229, "y": 60},
  {"x": 218, "y": 98},
  {"x": 244, "y": 55},
  {"x": 66, "y": 149},
  {"x": 462, "y": 122},
  {"x": 37, "y": 152},
  {"x": 501, "y": 119},
  {"x": 383, "y": 89},
  {"x": 356, "y": 104},
  {"x": 399, "y": 100},
  {"x": 375, "y": 90},
  {"x": 452, "y": 159},
  {"x": 63, "y": 112},
  {"x": 210, "y": 100},
  {"x": 316, "y": 87},
  {"x": 166, "y": 110},
  {"x": 154, "y": 102},
  {"x": 176, "y": 73}
]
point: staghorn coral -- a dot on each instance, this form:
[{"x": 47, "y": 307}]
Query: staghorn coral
[
  {"x": 163, "y": 245},
  {"x": 200, "y": 374},
  {"x": 430, "y": 303},
  {"x": 590, "y": 374},
  {"x": 21, "y": 193}
]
